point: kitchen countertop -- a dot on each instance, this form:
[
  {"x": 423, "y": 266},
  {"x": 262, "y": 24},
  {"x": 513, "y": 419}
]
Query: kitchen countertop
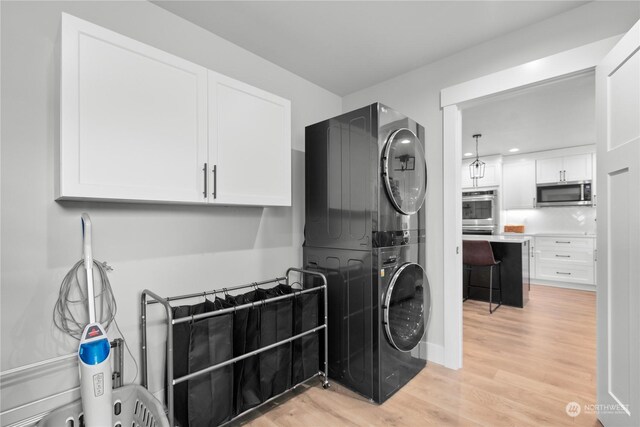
[
  {"x": 511, "y": 238},
  {"x": 550, "y": 234}
]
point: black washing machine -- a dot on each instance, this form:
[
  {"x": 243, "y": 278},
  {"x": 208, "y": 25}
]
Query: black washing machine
[
  {"x": 366, "y": 180},
  {"x": 379, "y": 307}
]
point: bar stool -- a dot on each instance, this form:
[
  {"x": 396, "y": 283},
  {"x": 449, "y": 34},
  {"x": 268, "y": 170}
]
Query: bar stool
[{"x": 479, "y": 254}]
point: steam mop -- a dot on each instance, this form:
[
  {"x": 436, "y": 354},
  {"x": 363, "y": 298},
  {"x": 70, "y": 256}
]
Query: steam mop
[{"x": 94, "y": 352}]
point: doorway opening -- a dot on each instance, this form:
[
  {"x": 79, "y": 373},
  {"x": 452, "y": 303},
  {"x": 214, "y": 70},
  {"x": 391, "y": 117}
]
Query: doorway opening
[
  {"x": 453, "y": 99},
  {"x": 537, "y": 148}
]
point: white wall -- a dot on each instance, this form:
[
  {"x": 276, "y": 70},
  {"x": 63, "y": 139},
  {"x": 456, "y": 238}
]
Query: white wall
[
  {"x": 169, "y": 249},
  {"x": 417, "y": 94}
]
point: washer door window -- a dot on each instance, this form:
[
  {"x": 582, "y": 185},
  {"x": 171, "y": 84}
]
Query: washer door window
[
  {"x": 405, "y": 171},
  {"x": 405, "y": 311}
]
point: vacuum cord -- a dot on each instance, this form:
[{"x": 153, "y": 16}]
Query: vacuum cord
[{"x": 70, "y": 313}]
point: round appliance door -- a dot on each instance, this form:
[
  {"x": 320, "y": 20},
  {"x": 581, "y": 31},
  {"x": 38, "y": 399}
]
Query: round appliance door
[
  {"x": 407, "y": 307},
  {"x": 405, "y": 171}
]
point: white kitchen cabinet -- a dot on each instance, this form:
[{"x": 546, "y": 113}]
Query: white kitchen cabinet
[
  {"x": 249, "y": 144},
  {"x": 565, "y": 259},
  {"x": 133, "y": 119},
  {"x": 519, "y": 185},
  {"x": 492, "y": 174},
  {"x": 140, "y": 124},
  {"x": 549, "y": 170},
  {"x": 466, "y": 180},
  {"x": 564, "y": 169},
  {"x": 578, "y": 167}
]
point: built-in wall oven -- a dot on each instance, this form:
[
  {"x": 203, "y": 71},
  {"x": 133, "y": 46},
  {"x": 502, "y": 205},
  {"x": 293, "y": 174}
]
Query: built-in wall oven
[{"x": 480, "y": 212}]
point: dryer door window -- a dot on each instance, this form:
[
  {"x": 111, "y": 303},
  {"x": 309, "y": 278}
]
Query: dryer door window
[
  {"x": 405, "y": 171},
  {"x": 407, "y": 306}
]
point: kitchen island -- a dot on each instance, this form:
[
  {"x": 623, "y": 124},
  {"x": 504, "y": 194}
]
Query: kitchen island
[{"x": 513, "y": 252}]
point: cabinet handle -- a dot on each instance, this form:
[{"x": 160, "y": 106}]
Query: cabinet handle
[
  {"x": 560, "y": 178},
  {"x": 204, "y": 193},
  {"x": 563, "y": 256},
  {"x": 560, "y": 272},
  {"x": 595, "y": 255},
  {"x": 564, "y": 176},
  {"x": 557, "y": 241},
  {"x": 215, "y": 181}
]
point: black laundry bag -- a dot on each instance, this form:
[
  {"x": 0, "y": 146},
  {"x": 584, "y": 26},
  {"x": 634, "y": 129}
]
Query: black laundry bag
[
  {"x": 181, "y": 337},
  {"x": 276, "y": 324},
  {"x": 306, "y": 350},
  {"x": 205, "y": 400},
  {"x": 246, "y": 338},
  {"x": 210, "y": 396}
]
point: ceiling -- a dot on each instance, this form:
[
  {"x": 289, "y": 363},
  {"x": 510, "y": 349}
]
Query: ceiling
[
  {"x": 345, "y": 46},
  {"x": 554, "y": 115}
]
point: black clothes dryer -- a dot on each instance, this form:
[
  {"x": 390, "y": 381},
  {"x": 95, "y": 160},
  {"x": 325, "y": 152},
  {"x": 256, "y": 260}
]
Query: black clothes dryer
[{"x": 366, "y": 179}]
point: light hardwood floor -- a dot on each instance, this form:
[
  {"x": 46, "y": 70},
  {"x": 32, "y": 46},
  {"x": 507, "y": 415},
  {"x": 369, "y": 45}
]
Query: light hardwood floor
[{"x": 521, "y": 368}]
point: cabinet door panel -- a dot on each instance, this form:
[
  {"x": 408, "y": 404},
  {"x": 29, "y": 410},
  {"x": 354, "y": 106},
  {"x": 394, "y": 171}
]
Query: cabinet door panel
[
  {"x": 519, "y": 185},
  {"x": 466, "y": 180},
  {"x": 549, "y": 170},
  {"x": 577, "y": 168},
  {"x": 570, "y": 256},
  {"x": 491, "y": 176},
  {"x": 250, "y": 142},
  {"x": 564, "y": 243},
  {"x": 133, "y": 119},
  {"x": 564, "y": 272}
]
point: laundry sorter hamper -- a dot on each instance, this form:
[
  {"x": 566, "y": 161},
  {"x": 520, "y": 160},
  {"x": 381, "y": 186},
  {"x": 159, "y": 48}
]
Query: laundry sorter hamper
[
  {"x": 274, "y": 348},
  {"x": 133, "y": 406}
]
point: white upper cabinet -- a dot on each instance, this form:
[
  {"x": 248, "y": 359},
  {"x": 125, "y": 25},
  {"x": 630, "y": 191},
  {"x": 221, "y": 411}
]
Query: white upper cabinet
[
  {"x": 133, "y": 119},
  {"x": 519, "y": 185},
  {"x": 492, "y": 174},
  {"x": 564, "y": 169},
  {"x": 549, "y": 170},
  {"x": 249, "y": 144},
  {"x": 140, "y": 124},
  {"x": 578, "y": 167}
]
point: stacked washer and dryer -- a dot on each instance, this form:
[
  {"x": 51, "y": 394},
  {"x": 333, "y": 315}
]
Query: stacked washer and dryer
[{"x": 366, "y": 180}]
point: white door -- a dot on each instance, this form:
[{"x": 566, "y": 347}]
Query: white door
[
  {"x": 133, "y": 119},
  {"x": 549, "y": 170},
  {"x": 577, "y": 168},
  {"x": 618, "y": 296},
  {"x": 249, "y": 144},
  {"x": 519, "y": 185}
]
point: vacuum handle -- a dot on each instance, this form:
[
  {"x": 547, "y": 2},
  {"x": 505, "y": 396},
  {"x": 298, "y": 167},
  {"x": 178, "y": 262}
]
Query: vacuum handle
[
  {"x": 86, "y": 240},
  {"x": 88, "y": 264}
]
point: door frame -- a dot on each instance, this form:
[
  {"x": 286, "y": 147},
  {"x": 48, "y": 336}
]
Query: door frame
[{"x": 563, "y": 64}]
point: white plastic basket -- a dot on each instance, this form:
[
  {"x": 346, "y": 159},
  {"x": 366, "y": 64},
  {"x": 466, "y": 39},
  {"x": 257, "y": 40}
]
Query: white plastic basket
[{"x": 133, "y": 406}]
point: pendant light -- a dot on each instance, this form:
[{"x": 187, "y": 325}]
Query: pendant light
[{"x": 476, "y": 169}]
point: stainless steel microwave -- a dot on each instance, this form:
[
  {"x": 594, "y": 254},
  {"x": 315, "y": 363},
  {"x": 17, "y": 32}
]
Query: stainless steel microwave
[{"x": 577, "y": 193}]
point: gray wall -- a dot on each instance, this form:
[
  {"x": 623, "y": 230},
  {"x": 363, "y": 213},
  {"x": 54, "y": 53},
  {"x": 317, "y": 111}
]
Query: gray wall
[
  {"x": 417, "y": 94},
  {"x": 169, "y": 249}
]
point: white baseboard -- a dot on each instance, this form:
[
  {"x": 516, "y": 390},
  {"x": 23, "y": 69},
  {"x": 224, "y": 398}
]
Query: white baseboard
[
  {"x": 566, "y": 285},
  {"x": 429, "y": 351}
]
